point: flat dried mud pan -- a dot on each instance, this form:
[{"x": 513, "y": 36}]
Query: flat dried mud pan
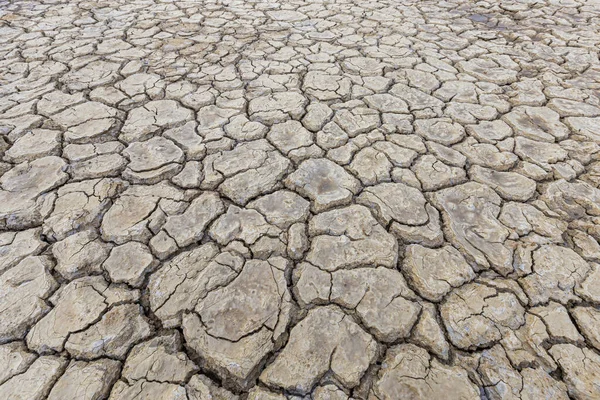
[{"x": 317, "y": 200}]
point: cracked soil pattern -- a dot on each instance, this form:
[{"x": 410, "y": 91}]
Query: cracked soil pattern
[{"x": 305, "y": 199}]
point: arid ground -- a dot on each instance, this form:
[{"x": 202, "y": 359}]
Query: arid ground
[{"x": 308, "y": 200}]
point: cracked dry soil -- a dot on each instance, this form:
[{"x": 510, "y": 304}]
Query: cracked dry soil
[{"x": 307, "y": 200}]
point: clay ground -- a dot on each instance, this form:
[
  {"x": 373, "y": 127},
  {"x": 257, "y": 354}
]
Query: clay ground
[{"x": 318, "y": 200}]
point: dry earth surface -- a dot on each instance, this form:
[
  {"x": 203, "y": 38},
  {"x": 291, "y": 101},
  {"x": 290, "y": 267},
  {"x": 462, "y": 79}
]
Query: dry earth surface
[{"x": 325, "y": 200}]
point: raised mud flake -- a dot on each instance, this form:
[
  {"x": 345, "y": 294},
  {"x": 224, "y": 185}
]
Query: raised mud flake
[
  {"x": 98, "y": 166},
  {"x": 15, "y": 246},
  {"x": 129, "y": 263},
  {"x": 331, "y": 136},
  {"x": 324, "y": 182},
  {"x": 525, "y": 219},
  {"x": 416, "y": 99},
  {"x": 76, "y": 306},
  {"x": 190, "y": 176},
  {"x": 357, "y": 120},
  {"x": 24, "y": 198},
  {"x": 297, "y": 241},
  {"x": 185, "y": 137},
  {"x": 459, "y": 91},
  {"x": 147, "y": 390},
  {"x": 587, "y": 127},
  {"x": 446, "y": 154},
  {"x": 277, "y": 107},
  {"x": 289, "y": 136},
  {"x": 490, "y": 131},
  {"x": 476, "y": 315},
  {"x": 86, "y": 380},
  {"x": 23, "y": 291},
  {"x": 501, "y": 380},
  {"x": 198, "y": 99},
  {"x": 434, "y": 174},
  {"x": 325, "y": 87},
  {"x": 581, "y": 370},
  {"x": 558, "y": 322},
  {"x": 128, "y": 218},
  {"x": 152, "y": 161},
  {"x": 429, "y": 334},
  {"x": 84, "y": 113},
  {"x": 143, "y": 122},
  {"x": 317, "y": 114},
  {"x": 494, "y": 370},
  {"x": 527, "y": 344},
  {"x": 465, "y": 113},
  {"x": 371, "y": 166},
  {"x": 234, "y": 327},
  {"x": 80, "y": 254},
  {"x": 408, "y": 371},
  {"x": 80, "y": 206},
  {"x": 260, "y": 393},
  {"x": 17, "y": 127},
  {"x": 36, "y": 382},
  {"x": 364, "y": 66},
  {"x": 441, "y": 130},
  {"x": 96, "y": 73},
  {"x": 242, "y": 129},
  {"x": 189, "y": 227},
  {"x": 16, "y": 358},
  {"x": 381, "y": 299},
  {"x": 395, "y": 202},
  {"x": 250, "y": 169},
  {"x": 398, "y": 156},
  {"x": 316, "y": 347},
  {"x": 201, "y": 387},
  {"x": 572, "y": 200},
  {"x": 434, "y": 272},
  {"x": 589, "y": 288},
  {"x": 486, "y": 155},
  {"x": 93, "y": 131},
  {"x": 540, "y": 153},
  {"x": 350, "y": 237},
  {"x": 585, "y": 245},
  {"x": 527, "y": 92},
  {"x": 282, "y": 208},
  {"x": 329, "y": 392},
  {"x": 160, "y": 359},
  {"x": 556, "y": 272},
  {"x": 537, "y": 383},
  {"x": 537, "y": 123},
  {"x": 178, "y": 286},
  {"x": 488, "y": 70},
  {"x": 212, "y": 119},
  {"x": 311, "y": 285},
  {"x": 116, "y": 332},
  {"x": 387, "y": 103},
  {"x": 425, "y": 81},
  {"x": 108, "y": 95},
  {"x": 246, "y": 225},
  {"x": 573, "y": 108},
  {"x": 588, "y": 321},
  {"x": 35, "y": 144},
  {"x": 140, "y": 84},
  {"x": 429, "y": 235},
  {"x": 509, "y": 185},
  {"x": 56, "y": 101},
  {"x": 470, "y": 212}
]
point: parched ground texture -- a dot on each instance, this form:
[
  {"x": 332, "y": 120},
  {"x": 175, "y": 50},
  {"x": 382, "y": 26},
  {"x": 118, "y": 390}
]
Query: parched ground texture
[{"x": 319, "y": 200}]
